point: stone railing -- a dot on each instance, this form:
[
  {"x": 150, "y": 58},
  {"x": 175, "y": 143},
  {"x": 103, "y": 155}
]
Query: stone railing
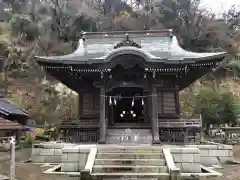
[
  {"x": 74, "y": 158},
  {"x": 49, "y": 152},
  {"x": 5, "y": 145},
  {"x": 214, "y": 153},
  {"x": 187, "y": 159},
  {"x": 86, "y": 172},
  {"x": 231, "y": 135},
  {"x": 173, "y": 170}
]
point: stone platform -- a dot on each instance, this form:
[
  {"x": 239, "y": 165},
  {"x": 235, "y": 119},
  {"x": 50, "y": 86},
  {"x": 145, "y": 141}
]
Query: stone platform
[{"x": 147, "y": 161}]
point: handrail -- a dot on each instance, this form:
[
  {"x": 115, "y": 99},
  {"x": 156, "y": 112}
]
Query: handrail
[
  {"x": 173, "y": 170},
  {"x": 169, "y": 159},
  {"x": 91, "y": 159},
  {"x": 86, "y": 172}
]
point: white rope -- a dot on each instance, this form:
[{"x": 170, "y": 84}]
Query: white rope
[{"x": 129, "y": 97}]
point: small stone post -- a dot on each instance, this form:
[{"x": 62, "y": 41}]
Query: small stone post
[
  {"x": 175, "y": 174},
  {"x": 12, "y": 158},
  {"x": 85, "y": 175},
  {"x": 226, "y": 136},
  {"x": 185, "y": 137},
  {"x": 198, "y": 138}
]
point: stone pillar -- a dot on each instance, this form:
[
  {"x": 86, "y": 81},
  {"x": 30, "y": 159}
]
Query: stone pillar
[
  {"x": 226, "y": 136},
  {"x": 154, "y": 116},
  {"x": 175, "y": 174},
  {"x": 102, "y": 117}
]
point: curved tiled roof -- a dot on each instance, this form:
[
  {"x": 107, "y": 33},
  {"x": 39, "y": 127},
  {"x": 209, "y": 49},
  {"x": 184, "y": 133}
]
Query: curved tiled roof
[
  {"x": 154, "y": 48},
  {"x": 7, "y": 108}
]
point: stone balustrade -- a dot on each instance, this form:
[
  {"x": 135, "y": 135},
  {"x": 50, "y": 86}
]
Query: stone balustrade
[
  {"x": 49, "y": 152},
  {"x": 214, "y": 153},
  {"x": 187, "y": 159},
  {"x": 74, "y": 158}
]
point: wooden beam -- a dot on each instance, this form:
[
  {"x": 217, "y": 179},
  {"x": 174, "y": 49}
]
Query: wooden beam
[{"x": 102, "y": 117}]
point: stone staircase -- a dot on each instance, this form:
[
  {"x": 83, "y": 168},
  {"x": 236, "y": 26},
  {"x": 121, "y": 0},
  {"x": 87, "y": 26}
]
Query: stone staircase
[
  {"x": 129, "y": 136},
  {"x": 133, "y": 163}
]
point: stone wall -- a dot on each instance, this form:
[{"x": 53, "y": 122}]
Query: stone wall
[
  {"x": 187, "y": 159},
  {"x": 214, "y": 154},
  {"x": 74, "y": 158},
  {"x": 49, "y": 152}
]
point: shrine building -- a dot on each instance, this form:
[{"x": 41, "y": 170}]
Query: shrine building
[{"x": 129, "y": 80}]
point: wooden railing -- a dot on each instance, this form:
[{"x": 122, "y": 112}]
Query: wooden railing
[
  {"x": 80, "y": 123},
  {"x": 180, "y": 130},
  {"x": 81, "y": 135},
  {"x": 179, "y": 123}
]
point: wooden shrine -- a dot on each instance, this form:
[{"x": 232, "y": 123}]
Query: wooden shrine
[{"x": 129, "y": 80}]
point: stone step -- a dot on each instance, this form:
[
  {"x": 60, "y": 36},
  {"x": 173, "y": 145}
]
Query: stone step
[
  {"x": 130, "y": 130},
  {"x": 125, "y": 178},
  {"x": 131, "y": 176},
  {"x": 129, "y": 155},
  {"x": 132, "y": 149},
  {"x": 128, "y": 142},
  {"x": 153, "y": 162},
  {"x": 129, "y": 169},
  {"x": 125, "y": 134},
  {"x": 134, "y": 136}
]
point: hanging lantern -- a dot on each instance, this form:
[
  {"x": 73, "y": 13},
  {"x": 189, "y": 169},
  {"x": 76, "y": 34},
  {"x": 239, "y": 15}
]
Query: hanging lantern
[
  {"x": 142, "y": 102},
  {"x": 110, "y": 100},
  {"x": 133, "y": 102},
  {"x": 115, "y": 101}
]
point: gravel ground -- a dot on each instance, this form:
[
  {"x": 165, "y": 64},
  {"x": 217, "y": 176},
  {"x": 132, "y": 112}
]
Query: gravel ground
[
  {"x": 26, "y": 171},
  {"x": 230, "y": 172}
]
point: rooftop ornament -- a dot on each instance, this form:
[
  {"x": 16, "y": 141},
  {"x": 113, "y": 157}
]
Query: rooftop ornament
[{"x": 127, "y": 42}]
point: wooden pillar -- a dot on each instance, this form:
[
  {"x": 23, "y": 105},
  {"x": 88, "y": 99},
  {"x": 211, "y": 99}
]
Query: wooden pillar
[
  {"x": 177, "y": 102},
  {"x": 145, "y": 108},
  {"x": 111, "y": 120},
  {"x": 154, "y": 116},
  {"x": 18, "y": 137},
  {"x": 102, "y": 117},
  {"x": 185, "y": 137},
  {"x": 80, "y": 105}
]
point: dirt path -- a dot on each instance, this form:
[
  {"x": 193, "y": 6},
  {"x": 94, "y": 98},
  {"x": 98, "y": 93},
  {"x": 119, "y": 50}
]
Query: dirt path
[{"x": 26, "y": 171}]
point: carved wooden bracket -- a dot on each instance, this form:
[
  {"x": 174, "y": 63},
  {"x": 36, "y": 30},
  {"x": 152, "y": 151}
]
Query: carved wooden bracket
[{"x": 127, "y": 42}]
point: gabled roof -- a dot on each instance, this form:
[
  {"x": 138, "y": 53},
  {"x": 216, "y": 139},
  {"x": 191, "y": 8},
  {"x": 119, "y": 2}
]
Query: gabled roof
[
  {"x": 7, "y": 108},
  {"x": 153, "y": 46},
  {"x": 10, "y": 125}
]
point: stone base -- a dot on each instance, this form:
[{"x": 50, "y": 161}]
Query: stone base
[
  {"x": 156, "y": 142},
  {"x": 103, "y": 141}
]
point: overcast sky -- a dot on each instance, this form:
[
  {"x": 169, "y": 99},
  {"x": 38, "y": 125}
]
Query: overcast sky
[{"x": 219, "y": 5}]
